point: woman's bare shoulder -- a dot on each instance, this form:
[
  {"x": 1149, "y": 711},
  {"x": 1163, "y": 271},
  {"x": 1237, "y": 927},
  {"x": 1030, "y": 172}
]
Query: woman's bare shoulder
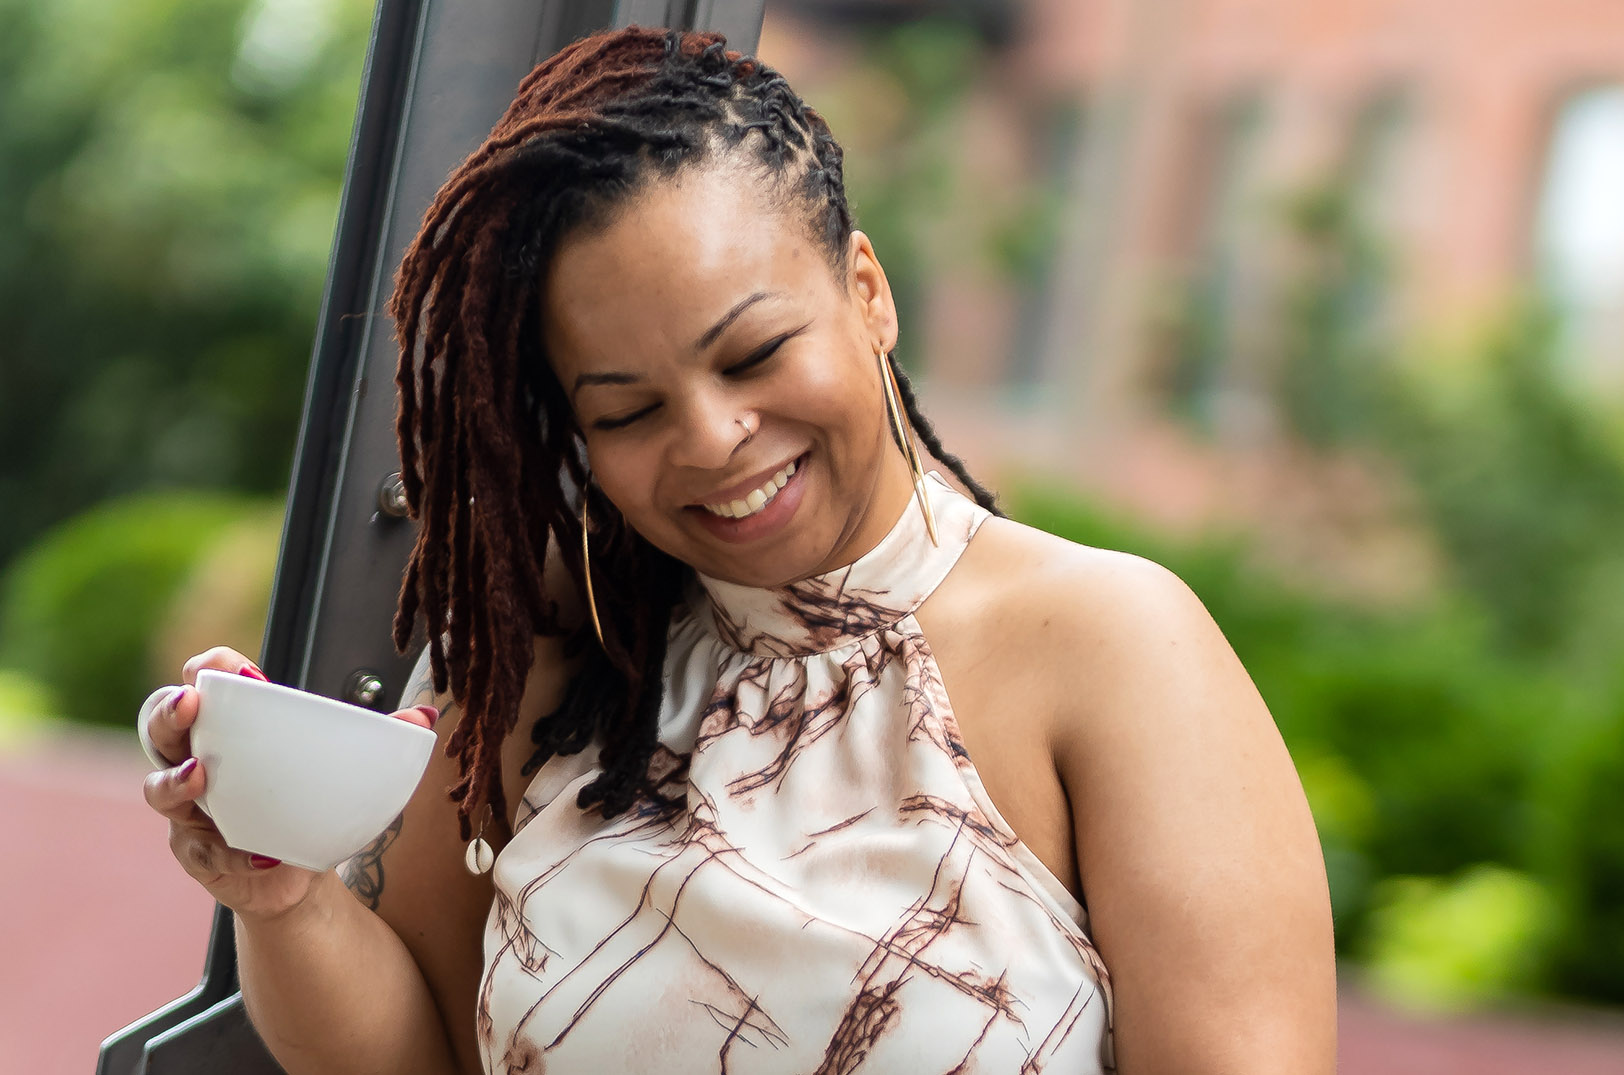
[
  {"x": 1049, "y": 589},
  {"x": 1096, "y": 632},
  {"x": 1194, "y": 842}
]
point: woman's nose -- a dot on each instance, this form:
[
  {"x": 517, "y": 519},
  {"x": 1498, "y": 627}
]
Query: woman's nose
[{"x": 710, "y": 433}]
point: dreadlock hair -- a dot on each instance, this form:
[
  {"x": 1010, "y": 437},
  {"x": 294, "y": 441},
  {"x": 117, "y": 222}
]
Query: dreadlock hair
[{"x": 493, "y": 462}]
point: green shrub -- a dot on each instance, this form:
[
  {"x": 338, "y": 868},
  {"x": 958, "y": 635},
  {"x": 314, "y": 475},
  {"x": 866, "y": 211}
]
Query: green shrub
[
  {"x": 1580, "y": 845},
  {"x": 1445, "y": 944},
  {"x": 1489, "y": 726},
  {"x": 78, "y": 609},
  {"x": 26, "y": 708},
  {"x": 1421, "y": 748}
]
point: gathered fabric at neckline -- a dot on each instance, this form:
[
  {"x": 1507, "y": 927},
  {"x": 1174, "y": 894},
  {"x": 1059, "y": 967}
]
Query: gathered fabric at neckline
[
  {"x": 837, "y": 608},
  {"x": 827, "y": 887}
]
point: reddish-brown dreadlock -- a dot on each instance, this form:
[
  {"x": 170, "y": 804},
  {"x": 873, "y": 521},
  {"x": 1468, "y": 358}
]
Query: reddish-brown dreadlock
[{"x": 492, "y": 460}]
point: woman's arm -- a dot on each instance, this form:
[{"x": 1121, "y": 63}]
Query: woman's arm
[
  {"x": 376, "y": 970},
  {"x": 1196, "y": 850},
  {"x": 413, "y": 879},
  {"x": 331, "y": 988}
]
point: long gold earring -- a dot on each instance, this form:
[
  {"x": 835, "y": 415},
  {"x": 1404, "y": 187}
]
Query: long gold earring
[
  {"x": 586, "y": 572},
  {"x": 910, "y": 451}
]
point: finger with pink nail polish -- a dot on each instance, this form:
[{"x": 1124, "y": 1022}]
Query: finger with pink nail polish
[{"x": 424, "y": 716}]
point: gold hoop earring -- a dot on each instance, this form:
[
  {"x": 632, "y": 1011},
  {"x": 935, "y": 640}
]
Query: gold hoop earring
[
  {"x": 910, "y": 451},
  {"x": 586, "y": 573}
]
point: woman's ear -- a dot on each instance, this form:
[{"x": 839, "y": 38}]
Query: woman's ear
[{"x": 871, "y": 292}]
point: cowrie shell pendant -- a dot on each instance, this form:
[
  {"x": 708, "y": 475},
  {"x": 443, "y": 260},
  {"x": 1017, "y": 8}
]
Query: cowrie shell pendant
[{"x": 480, "y": 857}]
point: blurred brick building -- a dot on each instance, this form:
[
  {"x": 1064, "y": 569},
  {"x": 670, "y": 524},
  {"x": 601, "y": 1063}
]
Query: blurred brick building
[{"x": 1481, "y": 142}]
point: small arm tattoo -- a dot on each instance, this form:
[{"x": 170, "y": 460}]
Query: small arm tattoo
[
  {"x": 363, "y": 873},
  {"x": 420, "y": 688}
]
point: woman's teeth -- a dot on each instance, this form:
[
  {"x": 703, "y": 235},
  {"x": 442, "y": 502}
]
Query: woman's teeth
[{"x": 756, "y": 499}]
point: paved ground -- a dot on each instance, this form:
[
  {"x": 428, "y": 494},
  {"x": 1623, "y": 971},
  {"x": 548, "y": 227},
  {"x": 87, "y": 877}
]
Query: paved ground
[
  {"x": 95, "y": 931},
  {"x": 98, "y": 927}
]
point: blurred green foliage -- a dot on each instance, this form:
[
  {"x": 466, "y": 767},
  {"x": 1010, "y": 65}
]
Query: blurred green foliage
[
  {"x": 1464, "y": 754},
  {"x": 171, "y": 178},
  {"x": 899, "y": 129},
  {"x": 1332, "y": 317},
  {"x": 1424, "y": 749},
  {"x": 27, "y": 707},
  {"x": 1445, "y": 944},
  {"x": 902, "y": 123},
  {"x": 171, "y": 175},
  {"x": 1519, "y": 475},
  {"x": 80, "y": 609}
]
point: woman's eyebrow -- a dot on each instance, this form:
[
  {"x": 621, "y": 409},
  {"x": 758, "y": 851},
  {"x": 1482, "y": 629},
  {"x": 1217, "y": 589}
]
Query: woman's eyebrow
[
  {"x": 710, "y": 335},
  {"x": 607, "y": 377}
]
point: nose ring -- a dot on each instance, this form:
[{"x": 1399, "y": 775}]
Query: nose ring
[{"x": 748, "y": 432}]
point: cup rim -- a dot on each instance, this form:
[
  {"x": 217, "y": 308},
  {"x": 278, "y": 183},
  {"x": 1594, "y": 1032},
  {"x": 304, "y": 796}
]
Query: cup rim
[{"x": 305, "y": 697}]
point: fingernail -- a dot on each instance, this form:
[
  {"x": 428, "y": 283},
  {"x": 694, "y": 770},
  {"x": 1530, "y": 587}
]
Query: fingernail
[
  {"x": 433, "y": 714},
  {"x": 185, "y": 770},
  {"x": 174, "y": 698},
  {"x": 263, "y": 862},
  {"x": 252, "y": 673}
]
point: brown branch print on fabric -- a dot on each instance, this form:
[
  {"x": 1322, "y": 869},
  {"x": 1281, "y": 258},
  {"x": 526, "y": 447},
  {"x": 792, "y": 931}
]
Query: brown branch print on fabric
[
  {"x": 1061, "y": 1030},
  {"x": 523, "y": 1057},
  {"x": 835, "y": 894},
  {"x": 825, "y": 612},
  {"x": 766, "y": 1027},
  {"x": 699, "y": 832},
  {"x": 963, "y": 1066},
  {"x": 874, "y": 1010},
  {"x": 964, "y": 817},
  {"x": 868, "y": 1017},
  {"x": 812, "y": 838},
  {"x": 797, "y": 723}
]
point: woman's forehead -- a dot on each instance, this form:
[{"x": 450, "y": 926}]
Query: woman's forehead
[{"x": 679, "y": 257}]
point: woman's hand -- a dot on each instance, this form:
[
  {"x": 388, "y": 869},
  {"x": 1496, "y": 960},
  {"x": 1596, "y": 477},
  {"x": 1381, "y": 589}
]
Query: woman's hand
[{"x": 251, "y": 885}]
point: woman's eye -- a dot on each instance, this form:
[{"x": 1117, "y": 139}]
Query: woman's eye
[
  {"x": 758, "y": 356},
  {"x": 621, "y": 421}
]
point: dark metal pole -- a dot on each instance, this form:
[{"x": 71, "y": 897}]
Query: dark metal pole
[{"x": 438, "y": 75}]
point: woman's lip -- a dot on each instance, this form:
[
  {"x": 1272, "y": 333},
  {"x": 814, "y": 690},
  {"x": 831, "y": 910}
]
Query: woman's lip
[
  {"x": 764, "y": 523},
  {"x": 744, "y": 488}
]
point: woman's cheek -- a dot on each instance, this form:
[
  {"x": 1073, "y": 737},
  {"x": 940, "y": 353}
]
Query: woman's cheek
[
  {"x": 837, "y": 393},
  {"x": 615, "y": 471}
]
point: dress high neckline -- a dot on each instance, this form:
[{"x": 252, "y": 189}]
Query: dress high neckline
[
  {"x": 818, "y": 811},
  {"x": 837, "y": 608}
]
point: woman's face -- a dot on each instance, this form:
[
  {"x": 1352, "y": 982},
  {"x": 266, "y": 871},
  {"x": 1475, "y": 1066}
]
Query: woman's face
[{"x": 708, "y": 349}]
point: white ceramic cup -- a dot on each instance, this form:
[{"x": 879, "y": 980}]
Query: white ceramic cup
[{"x": 299, "y": 777}]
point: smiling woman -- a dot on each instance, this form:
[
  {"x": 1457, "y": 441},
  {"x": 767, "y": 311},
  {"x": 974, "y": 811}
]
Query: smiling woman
[
  {"x": 687, "y": 416},
  {"x": 795, "y": 759},
  {"x": 645, "y": 285}
]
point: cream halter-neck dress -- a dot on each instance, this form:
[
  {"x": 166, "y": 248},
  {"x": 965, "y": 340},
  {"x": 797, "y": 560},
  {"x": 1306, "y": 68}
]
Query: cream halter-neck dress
[{"x": 838, "y": 894}]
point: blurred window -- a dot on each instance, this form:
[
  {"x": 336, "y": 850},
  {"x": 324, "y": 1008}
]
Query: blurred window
[
  {"x": 1058, "y": 139},
  {"x": 1579, "y": 233},
  {"x": 1376, "y": 162},
  {"x": 1376, "y": 168},
  {"x": 1223, "y": 238}
]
